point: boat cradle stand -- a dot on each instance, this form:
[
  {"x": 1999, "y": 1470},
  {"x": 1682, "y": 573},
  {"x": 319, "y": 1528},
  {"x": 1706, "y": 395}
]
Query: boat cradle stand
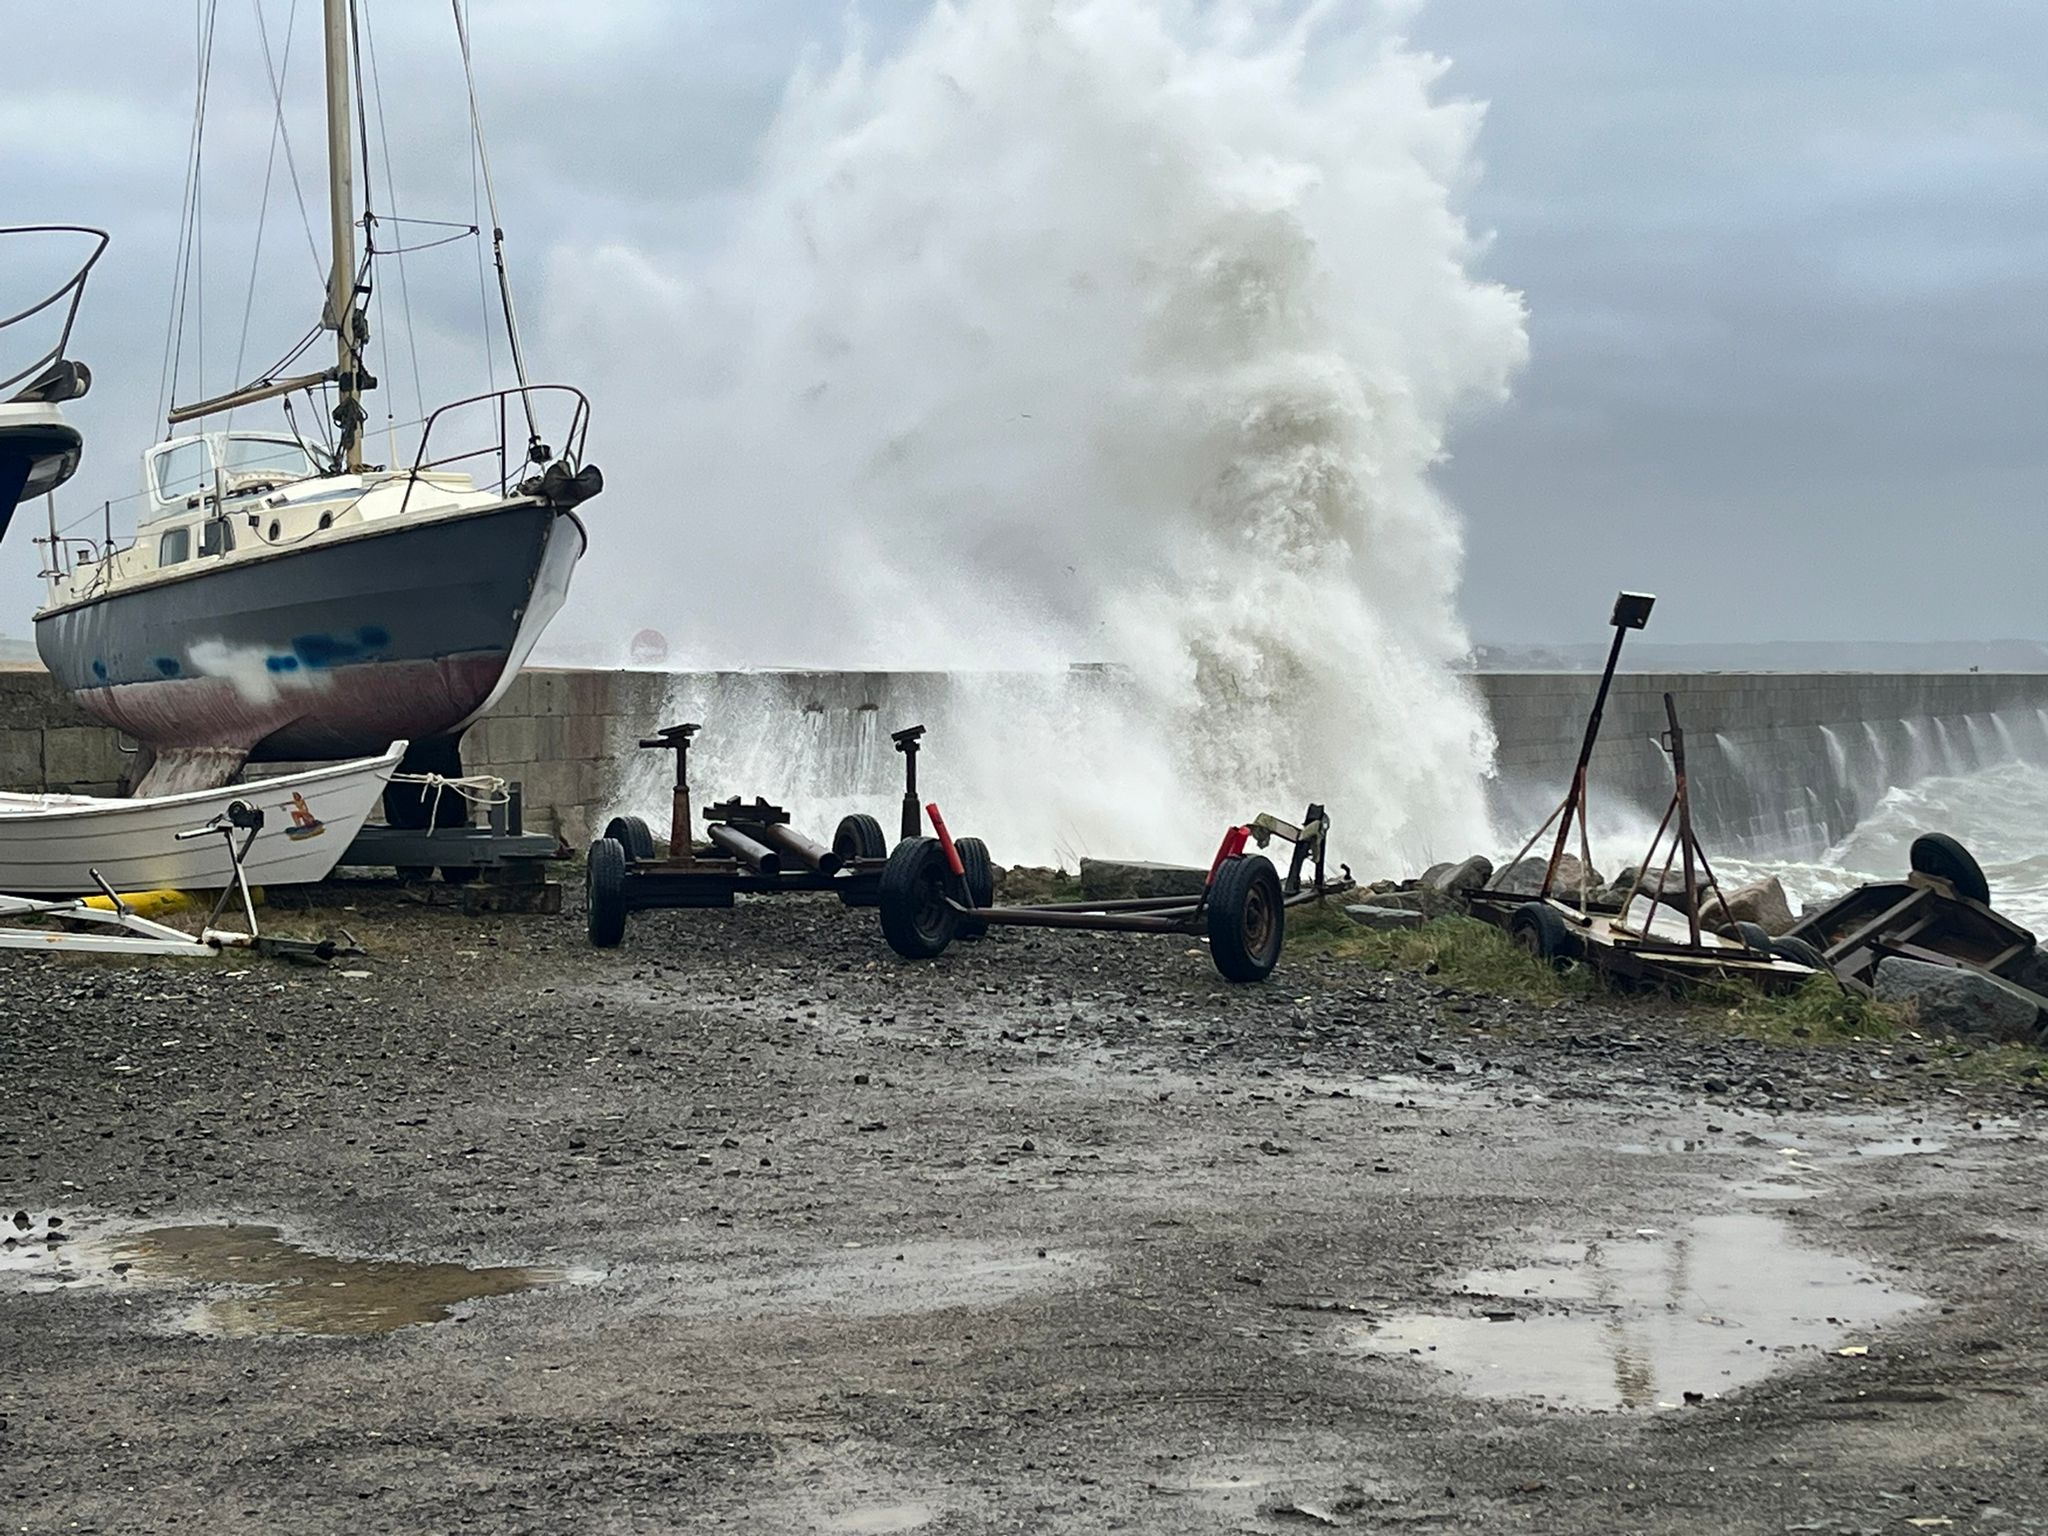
[{"x": 498, "y": 866}]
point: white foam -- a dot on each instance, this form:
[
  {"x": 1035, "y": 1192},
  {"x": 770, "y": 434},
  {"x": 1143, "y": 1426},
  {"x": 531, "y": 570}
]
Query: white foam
[{"x": 1119, "y": 330}]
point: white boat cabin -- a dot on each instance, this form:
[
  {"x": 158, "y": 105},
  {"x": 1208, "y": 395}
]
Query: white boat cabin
[{"x": 225, "y": 497}]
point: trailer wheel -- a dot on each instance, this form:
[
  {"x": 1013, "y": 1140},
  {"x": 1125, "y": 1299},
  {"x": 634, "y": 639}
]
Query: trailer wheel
[
  {"x": 915, "y": 918},
  {"x": 981, "y": 882},
  {"x": 1938, "y": 854},
  {"x": 1799, "y": 952},
  {"x": 1247, "y": 918},
  {"x": 459, "y": 874},
  {"x": 605, "y": 886},
  {"x": 860, "y": 837},
  {"x": 1538, "y": 929},
  {"x": 1755, "y": 936},
  {"x": 634, "y": 835}
]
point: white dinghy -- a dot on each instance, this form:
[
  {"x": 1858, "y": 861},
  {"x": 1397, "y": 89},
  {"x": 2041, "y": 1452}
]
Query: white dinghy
[{"x": 67, "y": 845}]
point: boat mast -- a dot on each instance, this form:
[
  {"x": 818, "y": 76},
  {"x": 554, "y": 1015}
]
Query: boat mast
[{"x": 350, "y": 328}]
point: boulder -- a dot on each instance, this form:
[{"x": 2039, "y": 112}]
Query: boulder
[
  {"x": 1526, "y": 878},
  {"x": 1106, "y": 879},
  {"x": 1762, "y": 902},
  {"x": 1030, "y": 882},
  {"x": 1460, "y": 879},
  {"x": 1420, "y": 899},
  {"x": 1368, "y": 915},
  {"x": 1959, "y": 1001},
  {"x": 1430, "y": 874}
]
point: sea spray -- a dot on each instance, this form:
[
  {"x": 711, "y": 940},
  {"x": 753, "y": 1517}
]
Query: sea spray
[{"x": 1122, "y": 331}]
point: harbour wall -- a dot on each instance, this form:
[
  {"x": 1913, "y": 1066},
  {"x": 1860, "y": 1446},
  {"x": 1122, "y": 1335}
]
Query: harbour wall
[{"x": 1780, "y": 762}]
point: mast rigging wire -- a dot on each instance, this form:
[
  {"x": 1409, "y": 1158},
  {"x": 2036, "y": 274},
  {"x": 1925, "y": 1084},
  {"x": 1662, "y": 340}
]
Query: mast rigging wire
[
  {"x": 476, "y": 129},
  {"x": 277, "y": 131},
  {"x": 419, "y": 394},
  {"x": 181, "y": 260}
]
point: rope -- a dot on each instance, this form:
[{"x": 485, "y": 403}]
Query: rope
[{"x": 478, "y": 789}]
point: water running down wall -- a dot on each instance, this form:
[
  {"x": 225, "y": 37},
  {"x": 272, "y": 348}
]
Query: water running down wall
[{"x": 1784, "y": 765}]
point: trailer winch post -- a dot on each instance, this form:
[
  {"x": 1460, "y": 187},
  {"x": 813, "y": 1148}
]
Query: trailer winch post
[
  {"x": 907, "y": 743},
  {"x": 676, "y": 739},
  {"x": 1631, "y": 611}
]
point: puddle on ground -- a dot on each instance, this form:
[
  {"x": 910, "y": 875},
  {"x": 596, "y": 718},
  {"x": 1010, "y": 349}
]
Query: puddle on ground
[
  {"x": 1636, "y": 1322},
  {"x": 277, "y": 1286},
  {"x": 881, "y": 1517},
  {"x": 926, "y": 1275}
]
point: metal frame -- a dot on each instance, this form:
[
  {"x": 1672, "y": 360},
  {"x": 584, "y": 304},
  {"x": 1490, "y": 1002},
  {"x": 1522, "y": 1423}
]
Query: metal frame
[
  {"x": 750, "y": 841},
  {"x": 1170, "y": 914},
  {"x": 73, "y": 285},
  {"x": 572, "y": 442},
  {"x": 1607, "y": 941}
]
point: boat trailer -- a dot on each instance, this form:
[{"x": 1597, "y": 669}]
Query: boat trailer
[
  {"x": 1940, "y": 914},
  {"x": 750, "y": 850},
  {"x": 938, "y": 889},
  {"x": 116, "y": 928},
  {"x": 1641, "y": 936}
]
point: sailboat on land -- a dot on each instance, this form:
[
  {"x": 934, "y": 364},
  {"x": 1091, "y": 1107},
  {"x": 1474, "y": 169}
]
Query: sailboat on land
[{"x": 282, "y": 598}]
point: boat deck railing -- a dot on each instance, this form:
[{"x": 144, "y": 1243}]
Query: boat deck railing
[
  {"x": 510, "y": 468},
  {"x": 68, "y": 293}
]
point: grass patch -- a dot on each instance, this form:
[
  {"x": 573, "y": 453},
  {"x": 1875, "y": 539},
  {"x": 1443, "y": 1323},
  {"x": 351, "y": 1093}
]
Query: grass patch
[
  {"x": 1820, "y": 1010},
  {"x": 1458, "y": 951},
  {"x": 1465, "y": 953}
]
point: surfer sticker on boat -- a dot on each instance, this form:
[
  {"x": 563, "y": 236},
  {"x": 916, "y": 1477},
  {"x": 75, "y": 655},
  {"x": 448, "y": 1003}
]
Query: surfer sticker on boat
[{"x": 304, "y": 823}]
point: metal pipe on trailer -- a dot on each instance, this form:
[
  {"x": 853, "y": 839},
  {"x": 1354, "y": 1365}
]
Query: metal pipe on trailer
[
  {"x": 814, "y": 856},
  {"x": 756, "y": 856}
]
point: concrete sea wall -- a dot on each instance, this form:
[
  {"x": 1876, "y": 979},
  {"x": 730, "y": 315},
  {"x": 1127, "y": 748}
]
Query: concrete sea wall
[{"x": 1780, "y": 761}]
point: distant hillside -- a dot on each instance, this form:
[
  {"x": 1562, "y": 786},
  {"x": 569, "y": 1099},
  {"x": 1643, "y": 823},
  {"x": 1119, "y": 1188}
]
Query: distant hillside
[{"x": 1641, "y": 655}]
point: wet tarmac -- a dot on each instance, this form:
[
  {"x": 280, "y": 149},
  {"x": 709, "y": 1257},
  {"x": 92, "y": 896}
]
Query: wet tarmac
[{"x": 1059, "y": 1234}]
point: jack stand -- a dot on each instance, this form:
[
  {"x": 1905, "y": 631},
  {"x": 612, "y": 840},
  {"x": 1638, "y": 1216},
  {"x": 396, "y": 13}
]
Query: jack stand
[
  {"x": 676, "y": 739},
  {"x": 913, "y": 813}
]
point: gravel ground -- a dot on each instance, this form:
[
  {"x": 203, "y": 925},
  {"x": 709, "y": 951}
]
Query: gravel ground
[{"x": 1059, "y": 1233}]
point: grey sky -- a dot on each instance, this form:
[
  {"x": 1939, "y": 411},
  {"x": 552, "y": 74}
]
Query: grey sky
[{"x": 1786, "y": 264}]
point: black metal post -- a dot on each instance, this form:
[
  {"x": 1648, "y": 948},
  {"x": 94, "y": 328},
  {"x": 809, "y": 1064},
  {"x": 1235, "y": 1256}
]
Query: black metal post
[
  {"x": 1631, "y": 611},
  {"x": 913, "y": 809},
  {"x": 676, "y": 739}
]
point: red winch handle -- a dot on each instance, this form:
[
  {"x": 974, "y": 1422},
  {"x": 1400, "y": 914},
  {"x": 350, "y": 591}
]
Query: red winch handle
[
  {"x": 1232, "y": 845},
  {"x": 946, "y": 841}
]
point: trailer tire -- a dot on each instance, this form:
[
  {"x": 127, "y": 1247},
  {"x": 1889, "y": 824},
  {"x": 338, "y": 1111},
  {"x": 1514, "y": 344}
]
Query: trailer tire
[
  {"x": 916, "y": 920},
  {"x": 634, "y": 835},
  {"x": 981, "y": 884},
  {"x": 459, "y": 874},
  {"x": 1756, "y": 936},
  {"x": 1247, "y": 918},
  {"x": 859, "y": 836},
  {"x": 1538, "y": 929},
  {"x": 605, "y": 887},
  {"x": 1938, "y": 854},
  {"x": 1799, "y": 952}
]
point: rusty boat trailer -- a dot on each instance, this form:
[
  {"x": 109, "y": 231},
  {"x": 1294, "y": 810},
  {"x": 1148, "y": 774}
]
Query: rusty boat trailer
[
  {"x": 1939, "y": 915},
  {"x": 937, "y": 889},
  {"x": 750, "y": 849},
  {"x": 1605, "y": 935}
]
